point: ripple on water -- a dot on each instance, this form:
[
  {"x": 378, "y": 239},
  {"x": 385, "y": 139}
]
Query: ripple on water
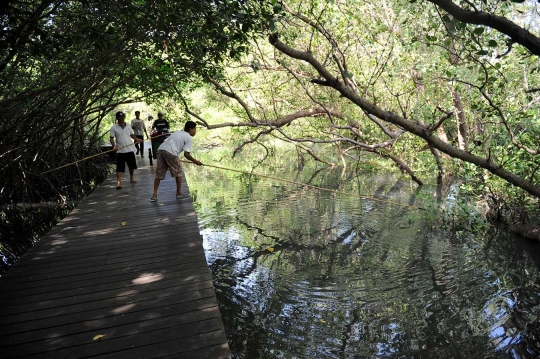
[{"x": 354, "y": 278}]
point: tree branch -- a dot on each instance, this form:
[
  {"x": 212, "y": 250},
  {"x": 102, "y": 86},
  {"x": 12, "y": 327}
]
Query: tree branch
[
  {"x": 499, "y": 23},
  {"x": 234, "y": 96},
  {"x": 408, "y": 125}
]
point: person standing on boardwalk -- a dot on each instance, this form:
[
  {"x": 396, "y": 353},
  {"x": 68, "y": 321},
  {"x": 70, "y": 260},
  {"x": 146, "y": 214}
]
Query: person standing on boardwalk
[
  {"x": 123, "y": 133},
  {"x": 159, "y": 127},
  {"x": 167, "y": 158},
  {"x": 139, "y": 129}
]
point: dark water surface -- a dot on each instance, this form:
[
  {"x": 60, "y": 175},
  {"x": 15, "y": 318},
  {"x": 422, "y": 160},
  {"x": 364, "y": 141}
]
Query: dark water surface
[{"x": 302, "y": 273}]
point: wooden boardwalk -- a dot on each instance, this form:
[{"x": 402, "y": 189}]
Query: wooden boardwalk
[{"x": 119, "y": 277}]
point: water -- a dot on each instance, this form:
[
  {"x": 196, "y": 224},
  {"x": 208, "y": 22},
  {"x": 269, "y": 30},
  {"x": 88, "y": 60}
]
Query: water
[{"x": 301, "y": 273}]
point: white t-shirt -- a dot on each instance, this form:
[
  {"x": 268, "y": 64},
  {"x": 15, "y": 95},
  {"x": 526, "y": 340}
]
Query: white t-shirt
[
  {"x": 123, "y": 138},
  {"x": 177, "y": 142},
  {"x": 138, "y": 126}
]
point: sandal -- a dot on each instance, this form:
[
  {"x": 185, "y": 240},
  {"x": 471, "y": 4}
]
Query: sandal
[
  {"x": 153, "y": 199},
  {"x": 182, "y": 196},
  {"x": 118, "y": 187},
  {"x": 133, "y": 181}
]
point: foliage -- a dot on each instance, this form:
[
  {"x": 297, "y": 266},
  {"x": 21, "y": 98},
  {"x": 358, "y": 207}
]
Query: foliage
[
  {"x": 61, "y": 81},
  {"x": 428, "y": 86},
  {"x": 66, "y": 65}
]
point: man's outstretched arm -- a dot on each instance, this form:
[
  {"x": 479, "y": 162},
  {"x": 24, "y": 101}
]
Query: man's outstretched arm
[{"x": 190, "y": 157}]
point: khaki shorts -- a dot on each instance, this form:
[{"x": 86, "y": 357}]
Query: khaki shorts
[{"x": 166, "y": 160}]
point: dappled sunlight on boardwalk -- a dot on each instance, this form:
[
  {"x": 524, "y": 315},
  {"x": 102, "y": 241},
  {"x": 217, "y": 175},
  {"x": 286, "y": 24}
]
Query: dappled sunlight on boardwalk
[
  {"x": 118, "y": 277},
  {"x": 59, "y": 241},
  {"x": 148, "y": 278},
  {"x": 123, "y": 309}
]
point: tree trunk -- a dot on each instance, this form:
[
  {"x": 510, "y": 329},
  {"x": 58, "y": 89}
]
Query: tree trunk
[
  {"x": 442, "y": 135},
  {"x": 463, "y": 130}
]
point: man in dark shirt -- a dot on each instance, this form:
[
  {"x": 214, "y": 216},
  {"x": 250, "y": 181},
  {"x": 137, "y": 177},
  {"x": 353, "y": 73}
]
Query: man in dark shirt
[{"x": 161, "y": 126}]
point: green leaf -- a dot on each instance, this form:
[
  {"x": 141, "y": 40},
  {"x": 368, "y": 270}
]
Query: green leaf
[
  {"x": 273, "y": 25},
  {"x": 451, "y": 28},
  {"x": 348, "y": 74},
  {"x": 478, "y": 30},
  {"x": 255, "y": 65},
  {"x": 482, "y": 52},
  {"x": 492, "y": 43}
]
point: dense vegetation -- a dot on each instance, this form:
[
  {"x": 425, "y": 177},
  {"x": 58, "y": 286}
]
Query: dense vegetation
[
  {"x": 65, "y": 65},
  {"x": 432, "y": 87},
  {"x": 435, "y": 87}
]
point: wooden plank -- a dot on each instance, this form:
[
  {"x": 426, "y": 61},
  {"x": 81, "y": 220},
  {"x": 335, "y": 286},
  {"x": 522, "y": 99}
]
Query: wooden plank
[
  {"x": 88, "y": 290},
  {"x": 35, "y": 280},
  {"x": 178, "y": 347},
  {"x": 127, "y": 240},
  {"x": 144, "y": 285},
  {"x": 217, "y": 351},
  {"x": 54, "y": 265},
  {"x": 124, "y": 299},
  {"x": 82, "y": 281},
  {"x": 122, "y": 225},
  {"x": 100, "y": 314},
  {"x": 155, "y": 251},
  {"x": 116, "y": 342},
  {"x": 17, "y": 308},
  {"x": 124, "y": 245},
  {"x": 70, "y": 265}
]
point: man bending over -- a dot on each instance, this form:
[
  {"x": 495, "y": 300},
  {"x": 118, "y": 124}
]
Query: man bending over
[{"x": 167, "y": 158}]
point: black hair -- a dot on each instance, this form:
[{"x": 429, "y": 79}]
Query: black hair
[{"x": 189, "y": 125}]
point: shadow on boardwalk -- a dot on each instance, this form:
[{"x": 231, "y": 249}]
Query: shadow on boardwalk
[{"x": 119, "y": 277}]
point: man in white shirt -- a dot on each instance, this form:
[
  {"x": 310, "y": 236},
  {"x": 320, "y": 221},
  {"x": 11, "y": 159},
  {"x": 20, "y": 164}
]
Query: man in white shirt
[
  {"x": 139, "y": 128},
  {"x": 167, "y": 158},
  {"x": 124, "y": 148}
]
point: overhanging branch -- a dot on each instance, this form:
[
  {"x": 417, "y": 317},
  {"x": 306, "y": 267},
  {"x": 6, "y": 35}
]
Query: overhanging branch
[
  {"x": 499, "y": 23},
  {"x": 408, "y": 125}
]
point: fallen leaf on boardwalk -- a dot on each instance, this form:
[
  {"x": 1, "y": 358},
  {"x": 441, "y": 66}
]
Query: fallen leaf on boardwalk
[
  {"x": 270, "y": 249},
  {"x": 161, "y": 204},
  {"x": 99, "y": 336},
  {"x": 123, "y": 223},
  {"x": 323, "y": 321}
]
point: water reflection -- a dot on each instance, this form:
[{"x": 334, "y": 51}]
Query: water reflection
[{"x": 309, "y": 274}]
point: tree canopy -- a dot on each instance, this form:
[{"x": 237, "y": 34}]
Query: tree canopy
[
  {"x": 65, "y": 65},
  {"x": 433, "y": 86},
  {"x": 451, "y": 83}
]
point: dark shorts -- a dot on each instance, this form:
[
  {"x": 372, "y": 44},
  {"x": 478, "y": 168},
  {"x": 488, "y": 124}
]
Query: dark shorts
[
  {"x": 122, "y": 159},
  {"x": 167, "y": 161}
]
